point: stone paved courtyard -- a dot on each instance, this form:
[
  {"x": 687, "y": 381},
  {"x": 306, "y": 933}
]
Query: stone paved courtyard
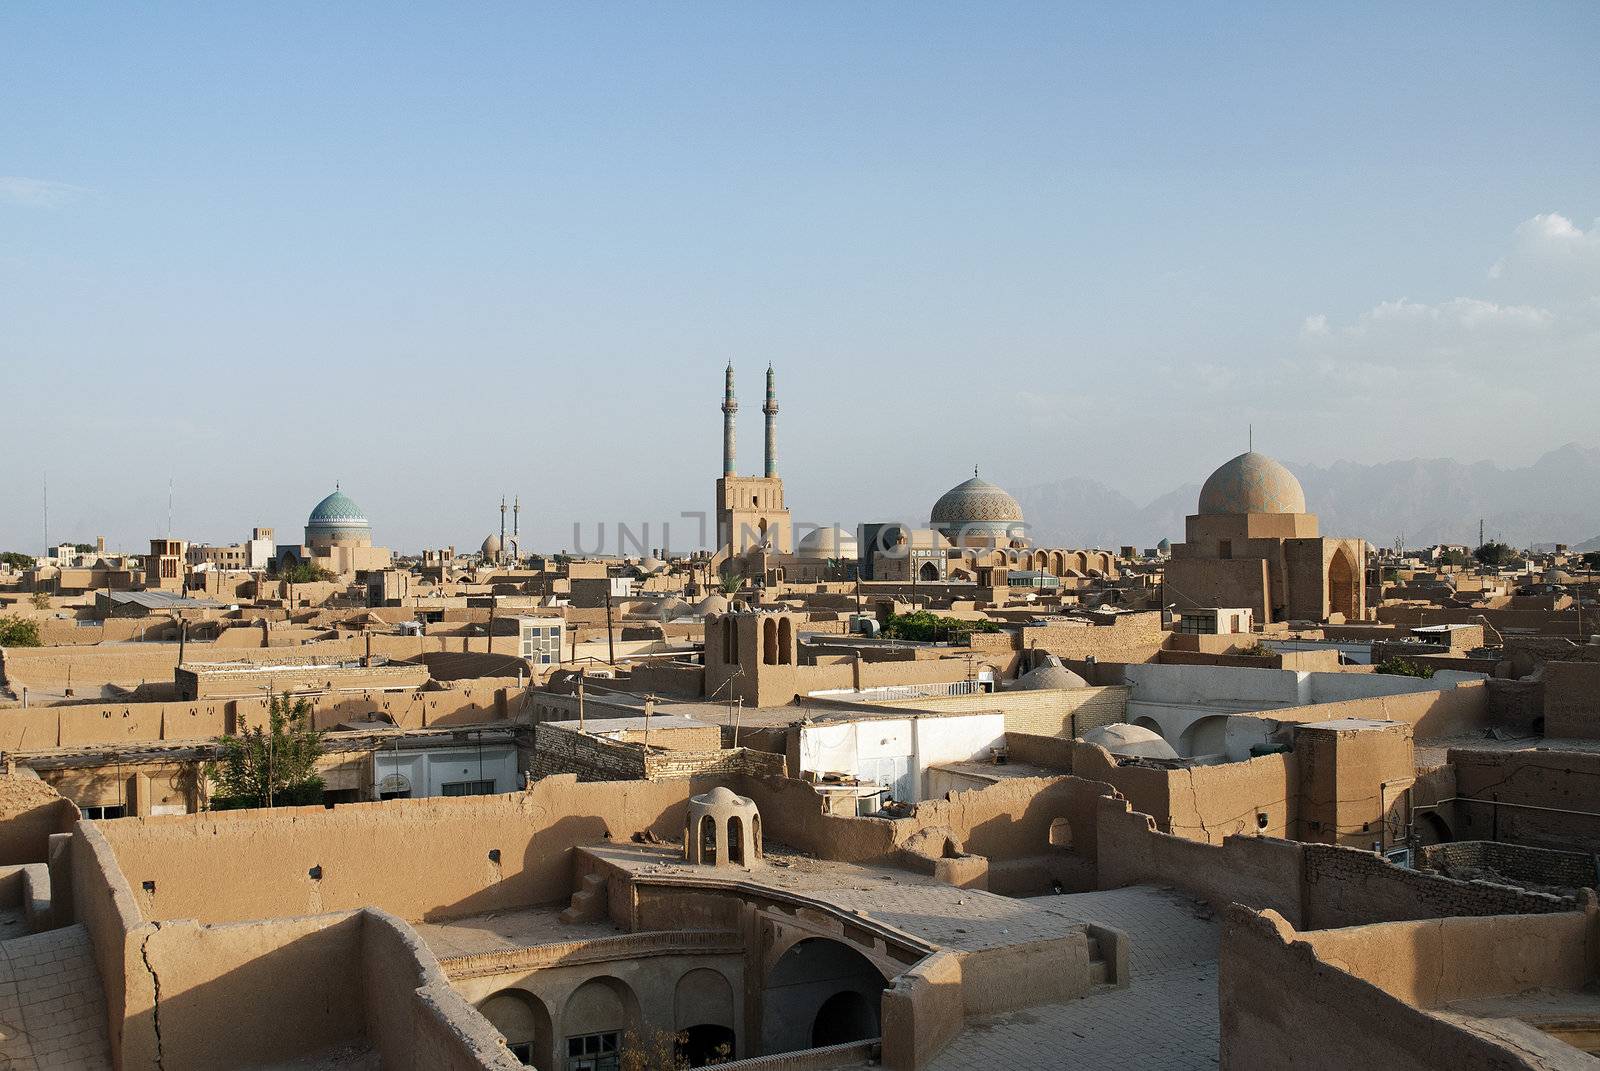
[
  {"x": 52, "y": 1012},
  {"x": 1166, "y": 1020}
]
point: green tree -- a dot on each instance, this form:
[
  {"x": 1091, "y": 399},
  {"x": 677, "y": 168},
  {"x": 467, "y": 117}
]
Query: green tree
[
  {"x": 84, "y": 548},
  {"x": 729, "y": 584},
  {"x": 1457, "y": 558},
  {"x": 1592, "y": 559},
  {"x": 16, "y": 559},
  {"x": 273, "y": 765},
  {"x": 1496, "y": 555},
  {"x": 305, "y": 573},
  {"x": 17, "y": 632},
  {"x": 928, "y": 627},
  {"x": 1404, "y": 667}
]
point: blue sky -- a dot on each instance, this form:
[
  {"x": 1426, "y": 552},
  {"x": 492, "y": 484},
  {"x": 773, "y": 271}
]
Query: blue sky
[{"x": 437, "y": 253}]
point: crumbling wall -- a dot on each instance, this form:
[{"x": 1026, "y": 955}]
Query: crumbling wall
[
  {"x": 1204, "y": 803},
  {"x": 1350, "y": 887},
  {"x": 1259, "y": 871},
  {"x": 1516, "y": 862}
]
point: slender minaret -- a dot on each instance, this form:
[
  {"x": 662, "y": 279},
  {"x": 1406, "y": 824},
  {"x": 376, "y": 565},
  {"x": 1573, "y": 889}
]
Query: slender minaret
[
  {"x": 516, "y": 525},
  {"x": 502, "y": 554},
  {"x": 771, "y": 409},
  {"x": 729, "y": 407}
]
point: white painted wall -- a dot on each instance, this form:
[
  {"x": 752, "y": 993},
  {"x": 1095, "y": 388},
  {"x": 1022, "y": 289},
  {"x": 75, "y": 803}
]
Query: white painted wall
[
  {"x": 904, "y": 748},
  {"x": 429, "y": 769}
]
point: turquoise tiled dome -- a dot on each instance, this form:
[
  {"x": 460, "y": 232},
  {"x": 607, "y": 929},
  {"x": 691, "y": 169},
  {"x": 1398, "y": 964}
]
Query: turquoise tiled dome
[{"x": 337, "y": 509}]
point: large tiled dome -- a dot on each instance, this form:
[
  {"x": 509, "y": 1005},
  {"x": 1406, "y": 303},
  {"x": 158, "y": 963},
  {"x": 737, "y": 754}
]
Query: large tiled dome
[
  {"x": 975, "y": 506},
  {"x": 1252, "y": 483},
  {"x": 337, "y": 519}
]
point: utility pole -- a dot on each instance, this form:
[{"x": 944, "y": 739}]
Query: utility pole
[{"x": 611, "y": 646}]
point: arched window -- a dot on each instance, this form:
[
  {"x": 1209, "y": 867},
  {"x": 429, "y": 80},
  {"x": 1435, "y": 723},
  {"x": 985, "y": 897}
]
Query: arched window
[
  {"x": 785, "y": 641},
  {"x": 735, "y": 840},
  {"x": 769, "y": 642},
  {"x": 708, "y": 839}
]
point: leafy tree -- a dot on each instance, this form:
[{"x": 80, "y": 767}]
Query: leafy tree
[
  {"x": 1495, "y": 554},
  {"x": 729, "y": 584},
  {"x": 16, "y": 559},
  {"x": 924, "y": 626},
  {"x": 305, "y": 573},
  {"x": 1404, "y": 667},
  {"x": 1457, "y": 558},
  {"x": 1592, "y": 559},
  {"x": 40, "y": 600},
  {"x": 271, "y": 766},
  {"x": 16, "y": 632},
  {"x": 84, "y": 548}
]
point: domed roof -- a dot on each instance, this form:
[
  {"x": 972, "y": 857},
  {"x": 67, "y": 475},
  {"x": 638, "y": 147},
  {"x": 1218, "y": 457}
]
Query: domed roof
[
  {"x": 337, "y": 510},
  {"x": 712, "y": 604},
  {"x": 491, "y": 546},
  {"x": 721, "y": 797},
  {"x": 975, "y": 502},
  {"x": 1132, "y": 740},
  {"x": 651, "y": 564},
  {"x": 1042, "y": 678},
  {"x": 1252, "y": 483},
  {"x": 827, "y": 543},
  {"x": 1165, "y": 546}
]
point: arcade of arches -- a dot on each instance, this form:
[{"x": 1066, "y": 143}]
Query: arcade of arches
[{"x": 702, "y": 1008}]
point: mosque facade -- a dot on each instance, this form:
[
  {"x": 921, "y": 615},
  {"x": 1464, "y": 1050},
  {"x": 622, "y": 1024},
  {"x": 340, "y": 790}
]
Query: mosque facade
[{"x": 1252, "y": 544}]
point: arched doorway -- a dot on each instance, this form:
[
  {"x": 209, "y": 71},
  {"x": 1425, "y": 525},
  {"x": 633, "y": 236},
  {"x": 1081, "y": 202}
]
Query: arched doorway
[
  {"x": 844, "y": 1017},
  {"x": 1431, "y": 829},
  {"x": 1342, "y": 585},
  {"x": 704, "y": 1016},
  {"x": 820, "y": 988},
  {"x": 597, "y": 1015},
  {"x": 524, "y": 1022},
  {"x": 929, "y": 571},
  {"x": 705, "y": 1044},
  {"x": 1207, "y": 736}
]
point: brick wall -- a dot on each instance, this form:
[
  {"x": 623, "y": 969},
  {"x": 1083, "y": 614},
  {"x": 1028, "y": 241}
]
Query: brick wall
[
  {"x": 1516, "y": 862},
  {"x": 1349, "y": 887},
  {"x": 558, "y": 750},
  {"x": 1572, "y": 700}
]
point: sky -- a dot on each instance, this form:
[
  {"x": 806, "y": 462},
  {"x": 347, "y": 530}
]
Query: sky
[{"x": 440, "y": 253}]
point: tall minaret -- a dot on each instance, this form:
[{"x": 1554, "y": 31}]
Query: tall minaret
[
  {"x": 501, "y": 556},
  {"x": 771, "y": 409},
  {"x": 729, "y": 408}
]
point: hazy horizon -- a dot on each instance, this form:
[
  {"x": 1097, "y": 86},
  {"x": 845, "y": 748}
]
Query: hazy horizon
[{"x": 440, "y": 255}]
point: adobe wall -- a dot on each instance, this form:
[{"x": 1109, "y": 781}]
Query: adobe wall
[
  {"x": 1203, "y": 803},
  {"x": 1432, "y": 715},
  {"x": 414, "y": 1018},
  {"x": 416, "y": 858},
  {"x": 1257, "y": 871},
  {"x": 1491, "y": 784},
  {"x": 1285, "y": 1003},
  {"x": 1572, "y": 700},
  {"x": 275, "y": 989},
  {"x": 559, "y": 750},
  {"x": 30, "y": 811},
  {"x": 103, "y": 903}
]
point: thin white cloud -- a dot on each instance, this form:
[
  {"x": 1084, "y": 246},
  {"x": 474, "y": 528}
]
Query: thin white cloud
[{"x": 37, "y": 193}]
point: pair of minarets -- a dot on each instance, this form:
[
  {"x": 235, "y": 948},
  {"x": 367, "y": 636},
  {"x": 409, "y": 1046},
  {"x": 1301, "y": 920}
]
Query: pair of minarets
[{"x": 730, "y": 407}]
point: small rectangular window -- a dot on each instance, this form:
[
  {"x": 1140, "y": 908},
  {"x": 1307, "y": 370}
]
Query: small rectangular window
[{"x": 467, "y": 788}]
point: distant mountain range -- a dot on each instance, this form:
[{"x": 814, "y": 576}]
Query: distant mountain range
[{"x": 1425, "y": 501}]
